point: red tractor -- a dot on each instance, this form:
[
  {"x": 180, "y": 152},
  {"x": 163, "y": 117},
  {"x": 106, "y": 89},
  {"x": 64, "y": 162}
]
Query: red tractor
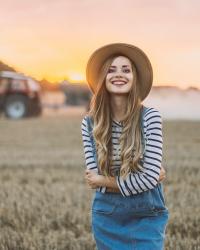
[{"x": 20, "y": 96}]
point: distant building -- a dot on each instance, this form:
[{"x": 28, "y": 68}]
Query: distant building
[{"x": 76, "y": 93}]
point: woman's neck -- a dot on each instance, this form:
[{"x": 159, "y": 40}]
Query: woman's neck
[{"x": 118, "y": 106}]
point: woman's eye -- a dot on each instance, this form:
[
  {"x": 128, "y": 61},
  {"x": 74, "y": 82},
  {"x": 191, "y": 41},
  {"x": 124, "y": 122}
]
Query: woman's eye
[
  {"x": 127, "y": 70},
  {"x": 110, "y": 70}
]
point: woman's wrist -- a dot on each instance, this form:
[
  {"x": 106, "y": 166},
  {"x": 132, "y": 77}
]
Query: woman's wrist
[
  {"x": 115, "y": 190},
  {"x": 108, "y": 182}
]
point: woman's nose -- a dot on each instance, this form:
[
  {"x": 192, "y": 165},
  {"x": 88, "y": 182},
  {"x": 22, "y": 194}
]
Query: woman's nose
[{"x": 118, "y": 76}]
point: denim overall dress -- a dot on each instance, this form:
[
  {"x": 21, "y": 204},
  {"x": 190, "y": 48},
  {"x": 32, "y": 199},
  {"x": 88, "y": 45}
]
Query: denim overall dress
[{"x": 136, "y": 222}]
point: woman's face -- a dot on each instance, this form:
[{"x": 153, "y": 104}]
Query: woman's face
[{"x": 119, "y": 79}]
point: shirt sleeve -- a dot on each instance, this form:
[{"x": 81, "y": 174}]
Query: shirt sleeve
[
  {"x": 88, "y": 151},
  {"x": 148, "y": 175}
]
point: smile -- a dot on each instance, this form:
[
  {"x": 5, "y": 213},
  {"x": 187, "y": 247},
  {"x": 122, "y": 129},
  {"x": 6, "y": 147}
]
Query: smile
[{"x": 119, "y": 82}]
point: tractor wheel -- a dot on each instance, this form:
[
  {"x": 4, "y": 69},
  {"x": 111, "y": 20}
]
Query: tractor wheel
[{"x": 16, "y": 106}]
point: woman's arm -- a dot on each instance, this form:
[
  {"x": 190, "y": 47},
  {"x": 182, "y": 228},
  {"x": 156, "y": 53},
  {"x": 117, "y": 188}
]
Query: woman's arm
[
  {"x": 148, "y": 176},
  {"x": 88, "y": 152},
  {"x": 111, "y": 183},
  {"x": 94, "y": 180}
]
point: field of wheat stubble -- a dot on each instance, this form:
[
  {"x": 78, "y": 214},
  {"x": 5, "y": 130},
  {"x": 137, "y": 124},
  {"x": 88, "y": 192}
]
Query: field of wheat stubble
[{"x": 45, "y": 202}]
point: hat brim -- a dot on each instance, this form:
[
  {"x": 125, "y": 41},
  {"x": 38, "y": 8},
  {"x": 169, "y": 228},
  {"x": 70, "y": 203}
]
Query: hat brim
[{"x": 136, "y": 55}]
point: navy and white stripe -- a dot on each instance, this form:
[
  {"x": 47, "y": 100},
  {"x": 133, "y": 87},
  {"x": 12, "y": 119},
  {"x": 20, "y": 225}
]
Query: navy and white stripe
[
  {"x": 148, "y": 176},
  {"x": 88, "y": 151}
]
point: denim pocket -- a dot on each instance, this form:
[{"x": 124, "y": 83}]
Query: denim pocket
[
  {"x": 102, "y": 204},
  {"x": 158, "y": 197},
  {"x": 160, "y": 191},
  {"x": 142, "y": 201}
]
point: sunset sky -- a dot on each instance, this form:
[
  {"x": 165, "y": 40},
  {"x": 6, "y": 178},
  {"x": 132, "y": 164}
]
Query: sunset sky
[{"x": 53, "y": 39}]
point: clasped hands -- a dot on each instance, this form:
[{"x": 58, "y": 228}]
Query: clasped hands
[{"x": 94, "y": 180}]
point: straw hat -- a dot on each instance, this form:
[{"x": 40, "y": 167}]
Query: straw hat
[{"x": 140, "y": 59}]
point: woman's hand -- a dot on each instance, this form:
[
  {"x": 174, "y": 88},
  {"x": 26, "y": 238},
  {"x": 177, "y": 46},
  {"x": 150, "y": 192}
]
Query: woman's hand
[
  {"x": 162, "y": 174},
  {"x": 93, "y": 179}
]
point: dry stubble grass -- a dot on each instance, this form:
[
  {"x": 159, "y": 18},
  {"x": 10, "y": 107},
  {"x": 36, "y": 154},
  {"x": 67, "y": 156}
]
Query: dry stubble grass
[{"x": 45, "y": 203}]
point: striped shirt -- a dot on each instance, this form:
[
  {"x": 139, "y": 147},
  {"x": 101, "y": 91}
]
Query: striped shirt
[{"x": 148, "y": 176}]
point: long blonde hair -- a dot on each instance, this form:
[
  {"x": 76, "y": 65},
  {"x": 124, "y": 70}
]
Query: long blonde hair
[{"x": 130, "y": 139}]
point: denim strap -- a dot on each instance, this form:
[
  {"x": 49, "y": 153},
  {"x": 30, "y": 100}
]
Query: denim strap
[{"x": 142, "y": 114}]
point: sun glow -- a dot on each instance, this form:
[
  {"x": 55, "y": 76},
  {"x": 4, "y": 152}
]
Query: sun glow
[{"x": 75, "y": 77}]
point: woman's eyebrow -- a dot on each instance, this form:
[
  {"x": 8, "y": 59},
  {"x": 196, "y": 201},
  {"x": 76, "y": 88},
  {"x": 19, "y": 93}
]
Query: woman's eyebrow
[{"x": 122, "y": 66}]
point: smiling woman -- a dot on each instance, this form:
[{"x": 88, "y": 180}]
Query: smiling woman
[{"x": 123, "y": 151}]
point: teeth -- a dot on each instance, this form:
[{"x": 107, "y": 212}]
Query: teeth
[{"x": 118, "y": 82}]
